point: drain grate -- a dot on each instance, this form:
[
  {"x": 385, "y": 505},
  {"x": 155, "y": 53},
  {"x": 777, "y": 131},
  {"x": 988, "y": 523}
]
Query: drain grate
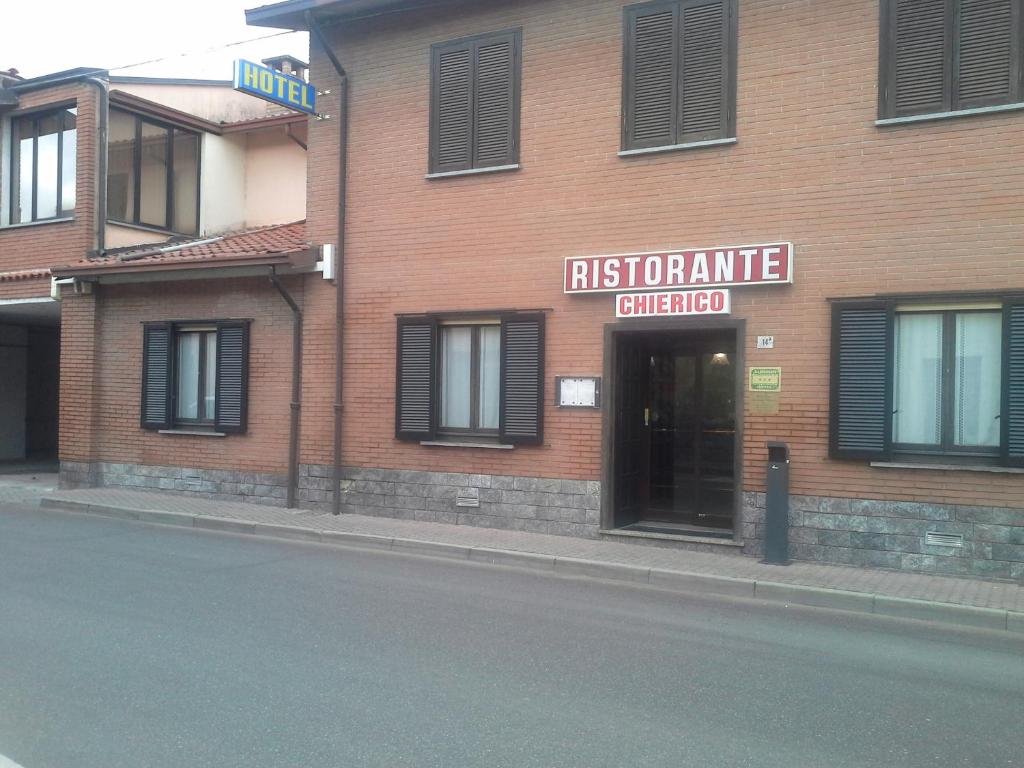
[{"x": 933, "y": 539}]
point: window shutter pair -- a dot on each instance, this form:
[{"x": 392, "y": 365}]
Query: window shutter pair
[
  {"x": 678, "y": 73},
  {"x": 521, "y": 419},
  {"x": 942, "y": 55},
  {"x": 475, "y": 103},
  {"x": 232, "y": 385},
  {"x": 862, "y": 370}
]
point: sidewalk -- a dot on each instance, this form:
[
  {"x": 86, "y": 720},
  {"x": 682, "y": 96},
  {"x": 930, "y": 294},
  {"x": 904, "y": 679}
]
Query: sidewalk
[{"x": 987, "y": 604}]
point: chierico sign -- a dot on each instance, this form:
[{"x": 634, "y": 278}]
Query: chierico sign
[
  {"x": 673, "y": 303},
  {"x": 731, "y": 265},
  {"x": 274, "y": 86}
]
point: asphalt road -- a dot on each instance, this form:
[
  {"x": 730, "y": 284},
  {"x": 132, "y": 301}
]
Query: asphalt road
[{"x": 124, "y": 644}]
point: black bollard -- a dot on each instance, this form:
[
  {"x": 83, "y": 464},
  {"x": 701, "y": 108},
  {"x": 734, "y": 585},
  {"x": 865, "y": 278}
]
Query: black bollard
[{"x": 776, "y": 513}]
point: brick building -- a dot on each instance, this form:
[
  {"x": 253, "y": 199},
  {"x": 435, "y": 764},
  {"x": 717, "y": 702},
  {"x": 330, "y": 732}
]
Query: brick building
[
  {"x": 502, "y": 179},
  {"x": 99, "y": 171}
]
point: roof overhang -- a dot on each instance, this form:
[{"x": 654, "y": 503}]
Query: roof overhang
[
  {"x": 291, "y": 14},
  {"x": 114, "y": 272}
]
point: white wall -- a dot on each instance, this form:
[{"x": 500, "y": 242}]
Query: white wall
[
  {"x": 222, "y": 188},
  {"x": 275, "y": 177},
  {"x": 217, "y": 103},
  {"x": 13, "y": 370}
]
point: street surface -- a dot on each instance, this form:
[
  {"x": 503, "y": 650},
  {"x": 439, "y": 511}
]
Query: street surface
[{"x": 126, "y": 644}]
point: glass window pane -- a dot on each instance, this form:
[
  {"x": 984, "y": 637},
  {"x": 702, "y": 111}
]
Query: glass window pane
[
  {"x": 917, "y": 395},
  {"x": 21, "y": 165},
  {"x": 69, "y": 161},
  {"x": 153, "y": 183},
  {"x": 186, "y": 182},
  {"x": 977, "y": 379},
  {"x": 456, "y": 359},
  {"x": 210, "y": 393},
  {"x": 120, "y": 164},
  {"x": 188, "y": 376},
  {"x": 46, "y": 167},
  {"x": 490, "y": 371}
]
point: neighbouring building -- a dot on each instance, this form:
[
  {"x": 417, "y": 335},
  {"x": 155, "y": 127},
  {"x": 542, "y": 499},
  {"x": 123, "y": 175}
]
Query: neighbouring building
[
  {"x": 594, "y": 256},
  {"x": 97, "y": 170}
]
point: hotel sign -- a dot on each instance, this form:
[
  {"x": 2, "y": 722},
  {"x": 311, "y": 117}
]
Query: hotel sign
[
  {"x": 714, "y": 301},
  {"x": 705, "y": 267},
  {"x": 273, "y": 86}
]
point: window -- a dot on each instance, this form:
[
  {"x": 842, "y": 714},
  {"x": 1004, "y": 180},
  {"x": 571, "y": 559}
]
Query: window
[
  {"x": 470, "y": 366},
  {"x": 153, "y": 174},
  {"x": 471, "y": 378},
  {"x": 948, "y": 55},
  {"x": 946, "y": 388},
  {"x": 195, "y": 375},
  {"x": 43, "y": 162},
  {"x": 679, "y": 73},
  {"x": 474, "y": 103},
  {"x": 928, "y": 380}
]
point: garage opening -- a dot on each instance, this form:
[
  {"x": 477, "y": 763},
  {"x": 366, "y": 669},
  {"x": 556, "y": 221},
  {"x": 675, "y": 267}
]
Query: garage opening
[
  {"x": 29, "y": 384},
  {"x": 675, "y": 432}
]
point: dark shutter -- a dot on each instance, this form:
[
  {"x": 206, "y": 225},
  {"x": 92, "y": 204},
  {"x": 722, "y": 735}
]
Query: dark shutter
[
  {"x": 861, "y": 407},
  {"x": 232, "y": 396},
  {"x": 649, "y": 76},
  {"x": 494, "y": 107},
  {"x": 917, "y": 65},
  {"x": 704, "y": 87},
  {"x": 1013, "y": 384},
  {"x": 415, "y": 379},
  {"x": 986, "y": 69},
  {"x": 474, "y": 106},
  {"x": 157, "y": 344},
  {"x": 451, "y": 141},
  {"x": 522, "y": 379}
]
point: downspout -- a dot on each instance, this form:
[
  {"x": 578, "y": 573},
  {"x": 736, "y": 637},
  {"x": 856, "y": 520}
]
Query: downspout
[
  {"x": 339, "y": 270},
  {"x": 102, "y": 122},
  {"x": 296, "y": 404}
]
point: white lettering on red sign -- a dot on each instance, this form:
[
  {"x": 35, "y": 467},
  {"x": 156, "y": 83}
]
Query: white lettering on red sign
[
  {"x": 673, "y": 303},
  {"x": 709, "y": 267}
]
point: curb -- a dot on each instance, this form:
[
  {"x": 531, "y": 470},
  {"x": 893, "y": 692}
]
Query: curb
[{"x": 675, "y": 581}]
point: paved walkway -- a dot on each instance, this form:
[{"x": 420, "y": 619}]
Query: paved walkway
[{"x": 634, "y": 559}]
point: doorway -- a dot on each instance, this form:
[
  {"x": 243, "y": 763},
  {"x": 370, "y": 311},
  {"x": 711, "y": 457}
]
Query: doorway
[{"x": 674, "y": 437}]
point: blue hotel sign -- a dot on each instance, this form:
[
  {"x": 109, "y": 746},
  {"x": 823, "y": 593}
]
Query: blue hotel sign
[{"x": 271, "y": 85}]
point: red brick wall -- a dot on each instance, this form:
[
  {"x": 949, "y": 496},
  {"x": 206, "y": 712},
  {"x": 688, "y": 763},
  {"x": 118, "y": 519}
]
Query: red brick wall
[
  {"x": 58, "y": 243},
  {"x": 934, "y": 206},
  {"x": 114, "y": 386}
]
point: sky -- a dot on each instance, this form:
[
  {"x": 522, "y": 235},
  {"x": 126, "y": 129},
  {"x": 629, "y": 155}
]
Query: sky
[{"x": 192, "y": 38}]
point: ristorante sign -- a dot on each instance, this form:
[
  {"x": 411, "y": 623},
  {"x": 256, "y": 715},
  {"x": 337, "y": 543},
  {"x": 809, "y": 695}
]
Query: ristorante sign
[{"x": 704, "y": 267}]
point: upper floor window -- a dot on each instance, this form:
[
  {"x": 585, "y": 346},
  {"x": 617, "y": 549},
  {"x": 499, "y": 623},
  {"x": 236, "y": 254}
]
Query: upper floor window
[
  {"x": 474, "y": 103},
  {"x": 679, "y": 73},
  {"x": 948, "y": 55},
  {"x": 43, "y": 152},
  {"x": 153, "y": 174}
]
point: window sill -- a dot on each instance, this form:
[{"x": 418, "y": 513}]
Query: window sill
[
  {"x": 949, "y": 115},
  {"x": 193, "y": 432},
  {"x": 678, "y": 147},
  {"x": 473, "y": 171},
  {"x": 149, "y": 228},
  {"x": 461, "y": 444},
  {"x": 949, "y": 467},
  {"x": 42, "y": 222}
]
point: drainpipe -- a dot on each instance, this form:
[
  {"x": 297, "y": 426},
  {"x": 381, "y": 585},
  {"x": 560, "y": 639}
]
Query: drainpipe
[
  {"x": 339, "y": 273},
  {"x": 296, "y": 404},
  {"x": 102, "y": 121}
]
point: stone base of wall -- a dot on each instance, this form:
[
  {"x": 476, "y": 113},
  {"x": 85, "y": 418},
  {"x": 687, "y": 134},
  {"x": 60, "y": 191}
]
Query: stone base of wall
[
  {"x": 891, "y": 534},
  {"x": 824, "y": 529},
  {"x": 539, "y": 505},
  {"x": 266, "y": 488}
]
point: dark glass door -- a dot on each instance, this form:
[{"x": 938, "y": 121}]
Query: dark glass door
[{"x": 677, "y": 415}]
